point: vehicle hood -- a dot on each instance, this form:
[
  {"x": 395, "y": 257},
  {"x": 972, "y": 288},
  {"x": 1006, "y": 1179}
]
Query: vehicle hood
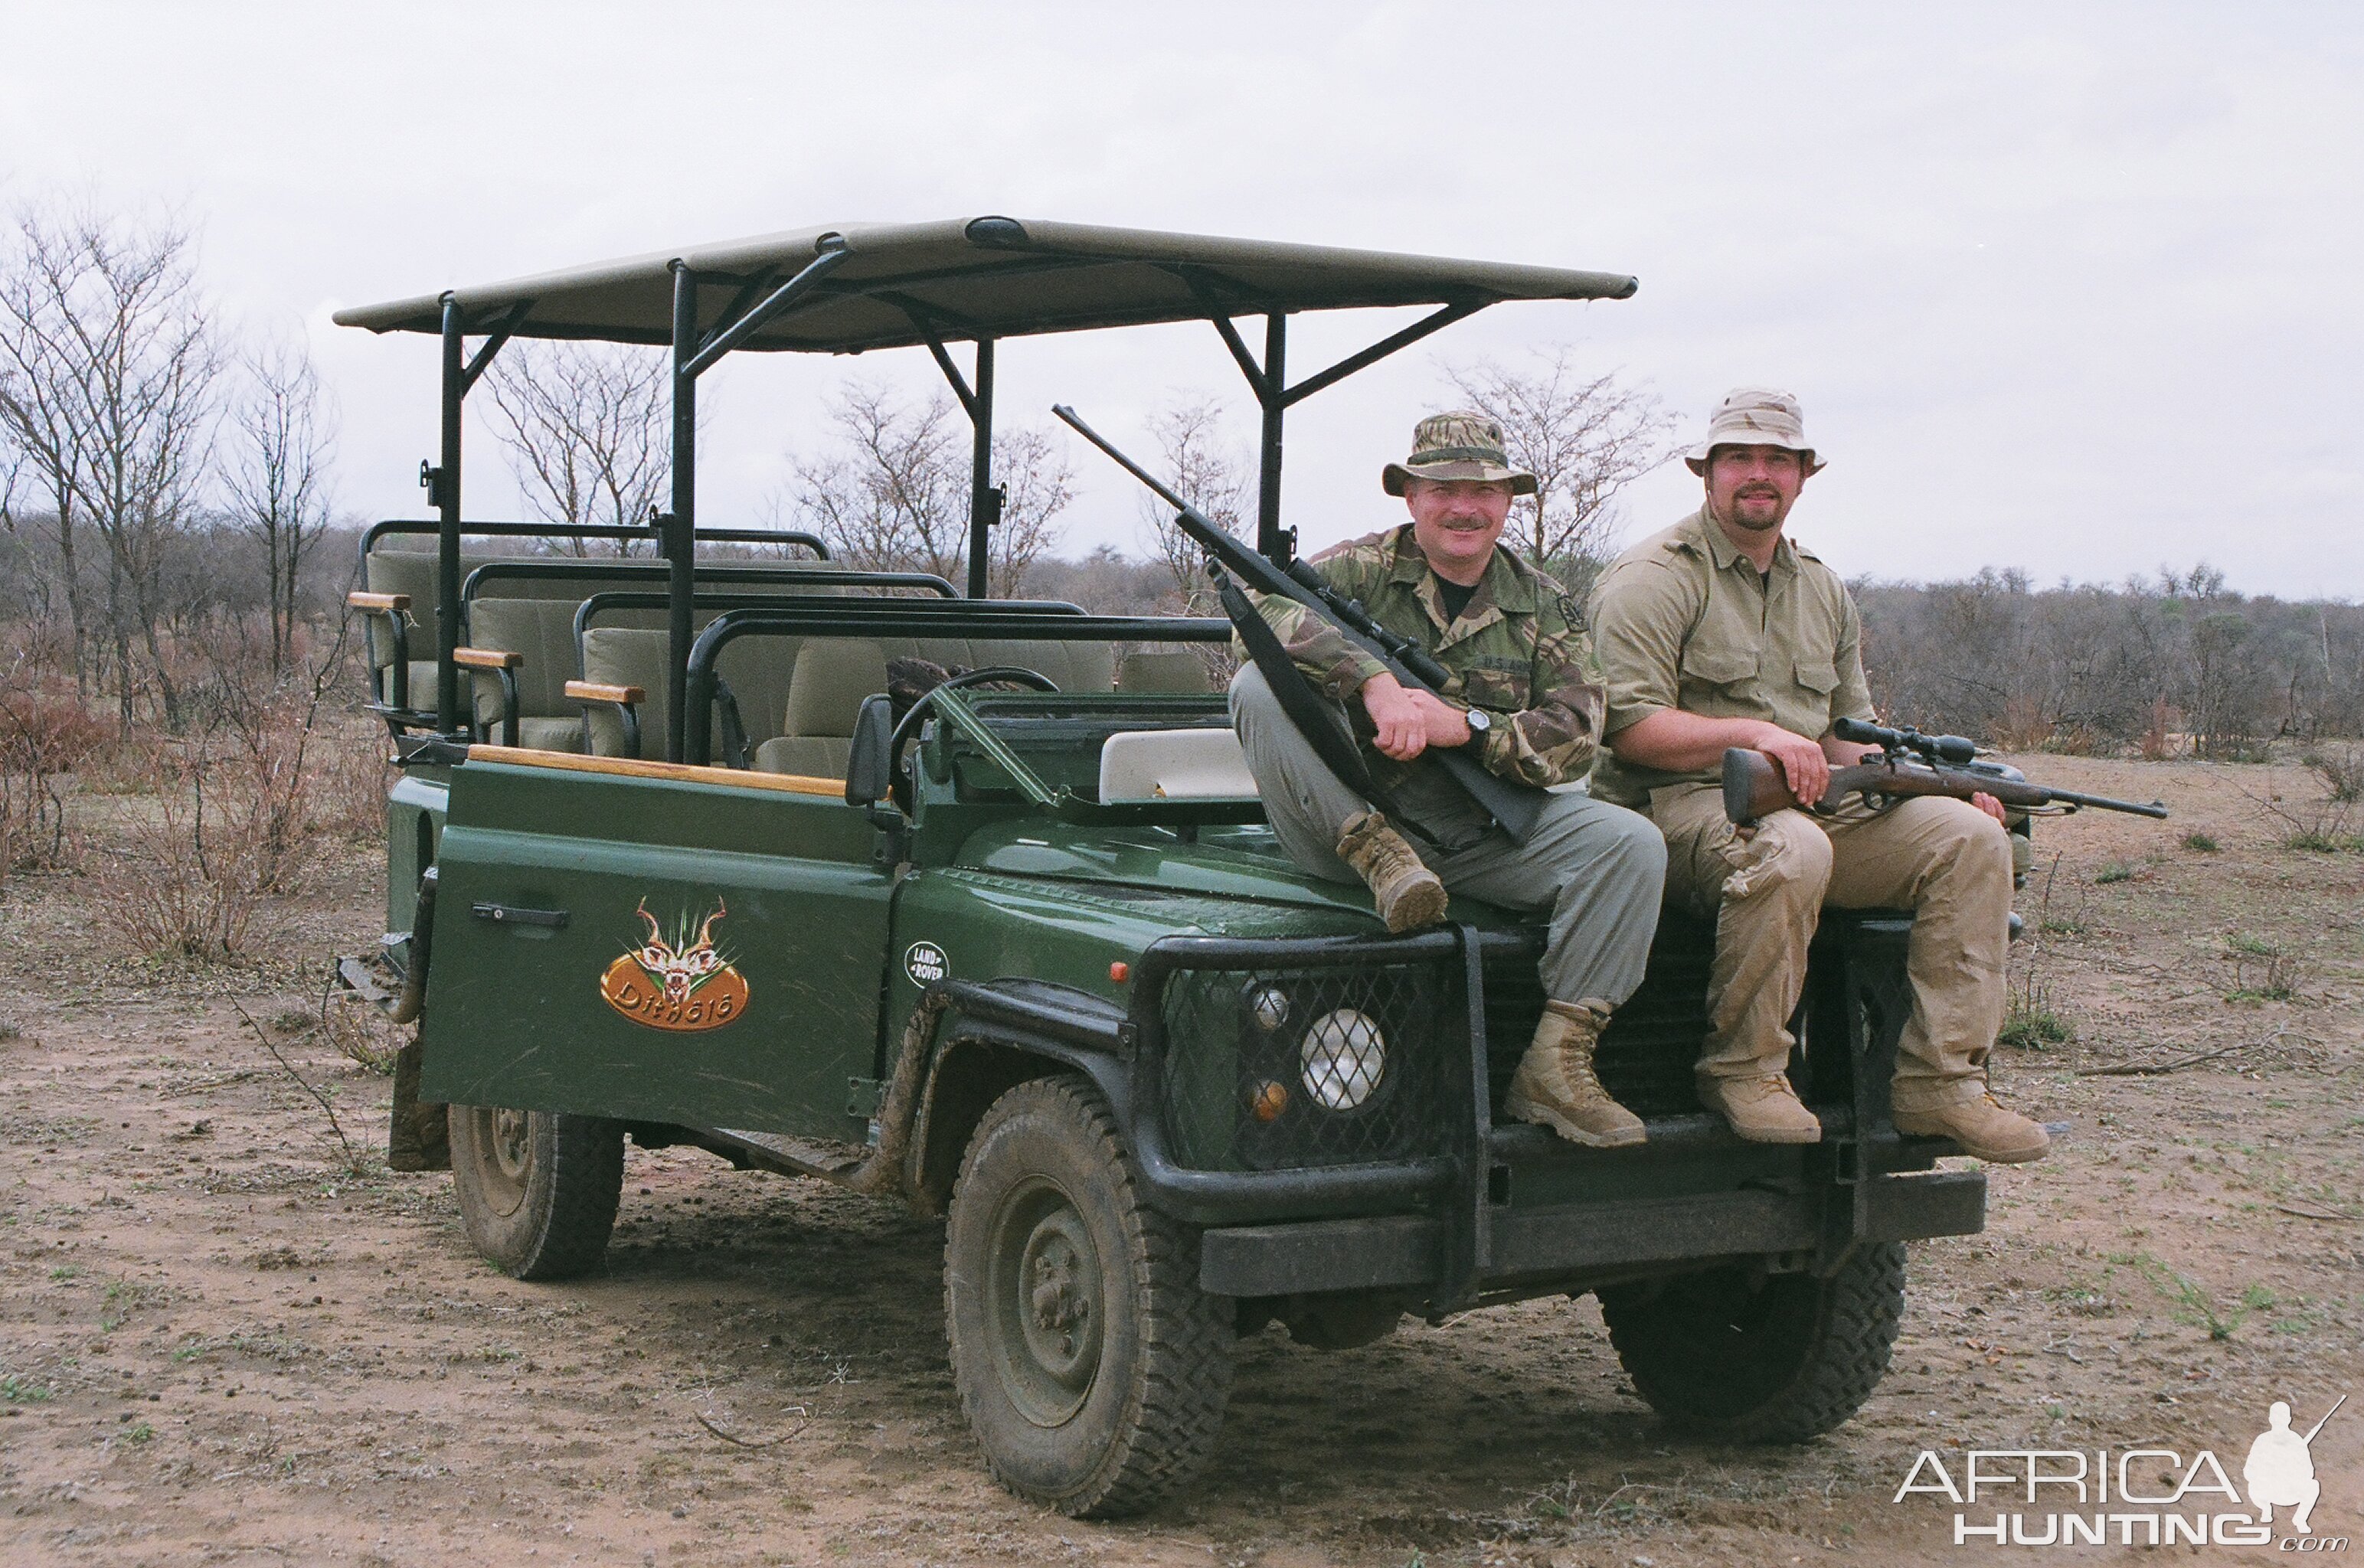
[{"x": 1228, "y": 883}]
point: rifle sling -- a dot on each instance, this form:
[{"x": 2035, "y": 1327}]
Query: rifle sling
[{"x": 1315, "y": 720}]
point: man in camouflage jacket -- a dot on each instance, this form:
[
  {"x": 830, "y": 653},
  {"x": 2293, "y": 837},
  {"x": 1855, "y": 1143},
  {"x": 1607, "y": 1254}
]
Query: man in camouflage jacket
[{"x": 1524, "y": 701}]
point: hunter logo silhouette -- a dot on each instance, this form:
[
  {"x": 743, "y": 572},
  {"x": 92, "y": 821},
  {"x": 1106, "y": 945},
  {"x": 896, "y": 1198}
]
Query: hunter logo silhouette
[
  {"x": 680, "y": 985},
  {"x": 2279, "y": 1471}
]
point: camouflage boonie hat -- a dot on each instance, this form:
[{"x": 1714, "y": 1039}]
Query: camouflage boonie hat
[
  {"x": 1756, "y": 417},
  {"x": 1460, "y": 445}
]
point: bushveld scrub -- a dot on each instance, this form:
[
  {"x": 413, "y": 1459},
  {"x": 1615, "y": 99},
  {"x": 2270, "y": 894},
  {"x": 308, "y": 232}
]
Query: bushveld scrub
[
  {"x": 219, "y": 820},
  {"x": 2333, "y": 824},
  {"x": 46, "y": 732}
]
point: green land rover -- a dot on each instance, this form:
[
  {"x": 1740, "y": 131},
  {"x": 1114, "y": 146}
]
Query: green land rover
[{"x": 674, "y": 858}]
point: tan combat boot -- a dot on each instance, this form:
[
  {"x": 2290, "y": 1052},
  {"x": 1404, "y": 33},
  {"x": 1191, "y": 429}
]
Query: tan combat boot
[
  {"x": 1762, "y": 1110},
  {"x": 1555, "y": 1086},
  {"x": 1982, "y": 1128},
  {"x": 1407, "y": 894}
]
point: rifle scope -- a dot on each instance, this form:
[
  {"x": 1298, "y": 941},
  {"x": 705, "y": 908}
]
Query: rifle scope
[{"x": 1936, "y": 748}]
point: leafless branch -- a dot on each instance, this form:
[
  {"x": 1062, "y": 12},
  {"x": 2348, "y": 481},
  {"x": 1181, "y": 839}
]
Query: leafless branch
[
  {"x": 1585, "y": 437},
  {"x": 585, "y": 426}
]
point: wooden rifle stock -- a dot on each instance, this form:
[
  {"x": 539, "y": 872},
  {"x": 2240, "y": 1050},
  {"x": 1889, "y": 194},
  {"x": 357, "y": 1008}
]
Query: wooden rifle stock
[{"x": 1753, "y": 787}]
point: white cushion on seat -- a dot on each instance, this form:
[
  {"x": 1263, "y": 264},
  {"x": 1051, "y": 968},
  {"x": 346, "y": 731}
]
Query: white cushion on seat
[{"x": 1174, "y": 764}]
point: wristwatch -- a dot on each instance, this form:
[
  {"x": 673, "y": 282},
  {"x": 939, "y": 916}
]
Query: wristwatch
[{"x": 1480, "y": 724}]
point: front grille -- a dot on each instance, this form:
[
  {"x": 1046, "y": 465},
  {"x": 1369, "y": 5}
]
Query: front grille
[
  {"x": 1249, "y": 1056},
  {"x": 1645, "y": 1059}
]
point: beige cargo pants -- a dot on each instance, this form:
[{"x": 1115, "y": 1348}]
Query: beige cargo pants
[
  {"x": 1945, "y": 859},
  {"x": 1597, "y": 870}
]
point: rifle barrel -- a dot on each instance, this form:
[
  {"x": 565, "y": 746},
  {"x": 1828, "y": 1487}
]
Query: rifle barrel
[
  {"x": 2157, "y": 809},
  {"x": 1075, "y": 422}
]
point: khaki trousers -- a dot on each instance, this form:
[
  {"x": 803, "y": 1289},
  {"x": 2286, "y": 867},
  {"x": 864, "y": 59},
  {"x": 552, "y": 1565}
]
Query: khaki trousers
[
  {"x": 1945, "y": 859},
  {"x": 1597, "y": 869}
]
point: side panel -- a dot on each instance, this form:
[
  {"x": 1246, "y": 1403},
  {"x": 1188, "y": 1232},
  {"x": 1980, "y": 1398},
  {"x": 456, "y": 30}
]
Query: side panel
[{"x": 548, "y": 990}]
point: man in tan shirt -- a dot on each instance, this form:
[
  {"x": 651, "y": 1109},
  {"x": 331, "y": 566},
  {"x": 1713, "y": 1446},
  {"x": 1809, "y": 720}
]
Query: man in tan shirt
[{"x": 1721, "y": 632}]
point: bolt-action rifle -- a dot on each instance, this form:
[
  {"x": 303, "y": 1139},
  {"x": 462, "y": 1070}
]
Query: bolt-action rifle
[
  {"x": 1908, "y": 763},
  {"x": 1512, "y": 804}
]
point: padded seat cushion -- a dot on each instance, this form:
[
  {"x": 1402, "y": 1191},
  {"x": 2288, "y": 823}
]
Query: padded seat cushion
[
  {"x": 550, "y": 734},
  {"x": 1161, "y": 671},
  {"x": 755, "y": 668},
  {"x": 807, "y": 756},
  {"x": 543, "y": 631},
  {"x": 833, "y": 676}
]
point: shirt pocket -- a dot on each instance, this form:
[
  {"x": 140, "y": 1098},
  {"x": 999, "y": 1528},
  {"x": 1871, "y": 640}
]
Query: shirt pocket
[
  {"x": 1819, "y": 677},
  {"x": 1501, "y": 691},
  {"x": 1728, "y": 669}
]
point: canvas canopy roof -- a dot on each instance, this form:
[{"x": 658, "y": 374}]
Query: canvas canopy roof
[{"x": 986, "y": 277}]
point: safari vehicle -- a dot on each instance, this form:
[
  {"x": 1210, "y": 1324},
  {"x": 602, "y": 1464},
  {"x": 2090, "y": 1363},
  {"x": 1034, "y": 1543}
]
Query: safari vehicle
[{"x": 1024, "y": 954}]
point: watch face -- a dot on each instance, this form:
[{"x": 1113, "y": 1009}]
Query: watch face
[{"x": 1478, "y": 721}]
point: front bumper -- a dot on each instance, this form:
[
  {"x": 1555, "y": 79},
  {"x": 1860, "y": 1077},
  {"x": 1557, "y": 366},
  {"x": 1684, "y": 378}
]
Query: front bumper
[{"x": 1441, "y": 1203}]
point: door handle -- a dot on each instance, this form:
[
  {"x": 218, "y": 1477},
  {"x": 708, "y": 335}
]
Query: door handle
[{"x": 516, "y": 915}]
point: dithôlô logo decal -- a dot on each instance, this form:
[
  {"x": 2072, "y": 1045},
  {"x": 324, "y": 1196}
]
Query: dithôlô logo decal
[{"x": 681, "y": 984}]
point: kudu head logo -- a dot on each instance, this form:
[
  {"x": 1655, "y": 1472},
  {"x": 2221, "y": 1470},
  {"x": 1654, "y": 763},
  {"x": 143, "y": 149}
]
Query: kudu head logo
[{"x": 681, "y": 965}]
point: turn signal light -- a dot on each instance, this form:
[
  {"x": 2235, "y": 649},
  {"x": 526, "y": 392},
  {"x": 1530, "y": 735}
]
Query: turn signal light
[
  {"x": 1119, "y": 972},
  {"x": 1269, "y": 1101}
]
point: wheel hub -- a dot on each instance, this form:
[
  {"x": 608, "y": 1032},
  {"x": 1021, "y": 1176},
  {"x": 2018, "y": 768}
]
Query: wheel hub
[
  {"x": 1045, "y": 1304},
  {"x": 503, "y": 1156}
]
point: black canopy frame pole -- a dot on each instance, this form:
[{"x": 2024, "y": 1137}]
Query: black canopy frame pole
[
  {"x": 679, "y": 524},
  {"x": 442, "y": 482},
  {"x": 1273, "y": 541},
  {"x": 1269, "y": 382},
  {"x": 985, "y": 498},
  {"x": 693, "y": 355}
]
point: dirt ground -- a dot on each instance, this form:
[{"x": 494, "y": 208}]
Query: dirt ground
[{"x": 218, "y": 1346}]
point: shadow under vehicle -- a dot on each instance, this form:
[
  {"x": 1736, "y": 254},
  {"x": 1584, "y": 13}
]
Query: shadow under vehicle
[{"x": 1022, "y": 951}]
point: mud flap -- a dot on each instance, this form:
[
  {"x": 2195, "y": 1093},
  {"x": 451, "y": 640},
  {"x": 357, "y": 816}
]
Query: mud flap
[{"x": 415, "y": 1134}]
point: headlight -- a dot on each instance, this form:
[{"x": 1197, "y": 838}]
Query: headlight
[
  {"x": 1343, "y": 1059},
  {"x": 1269, "y": 1005}
]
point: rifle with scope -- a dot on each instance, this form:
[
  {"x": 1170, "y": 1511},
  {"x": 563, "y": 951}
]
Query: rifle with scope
[
  {"x": 1907, "y": 764},
  {"x": 1512, "y": 804}
]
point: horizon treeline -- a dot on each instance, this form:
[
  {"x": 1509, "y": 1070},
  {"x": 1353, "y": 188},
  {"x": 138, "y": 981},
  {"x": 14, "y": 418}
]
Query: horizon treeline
[{"x": 2171, "y": 663}]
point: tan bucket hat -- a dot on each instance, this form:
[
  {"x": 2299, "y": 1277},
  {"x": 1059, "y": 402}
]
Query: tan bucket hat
[
  {"x": 1756, "y": 417},
  {"x": 1459, "y": 445}
]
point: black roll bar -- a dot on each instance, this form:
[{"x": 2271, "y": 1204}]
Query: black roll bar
[
  {"x": 921, "y": 619},
  {"x": 813, "y": 542},
  {"x": 718, "y": 572},
  {"x": 886, "y": 610}
]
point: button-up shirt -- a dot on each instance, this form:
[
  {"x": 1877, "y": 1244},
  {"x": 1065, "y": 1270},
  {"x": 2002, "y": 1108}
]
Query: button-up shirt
[{"x": 1684, "y": 620}]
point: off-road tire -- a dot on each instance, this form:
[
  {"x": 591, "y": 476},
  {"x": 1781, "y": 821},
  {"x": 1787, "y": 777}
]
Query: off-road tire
[
  {"x": 1091, "y": 1367},
  {"x": 538, "y": 1189},
  {"x": 1774, "y": 1360}
]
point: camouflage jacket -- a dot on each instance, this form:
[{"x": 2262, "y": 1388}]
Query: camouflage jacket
[{"x": 1519, "y": 651}]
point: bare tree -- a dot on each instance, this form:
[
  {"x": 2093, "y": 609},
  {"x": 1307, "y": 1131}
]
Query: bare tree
[
  {"x": 892, "y": 490},
  {"x": 1036, "y": 487},
  {"x": 1208, "y": 472},
  {"x": 110, "y": 361},
  {"x": 586, "y": 425},
  {"x": 1585, "y": 437},
  {"x": 275, "y": 475}
]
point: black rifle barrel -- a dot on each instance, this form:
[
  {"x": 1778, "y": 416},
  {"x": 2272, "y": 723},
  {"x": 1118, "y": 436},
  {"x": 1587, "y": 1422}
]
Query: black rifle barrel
[
  {"x": 2103, "y": 803},
  {"x": 1515, "y": 805}
]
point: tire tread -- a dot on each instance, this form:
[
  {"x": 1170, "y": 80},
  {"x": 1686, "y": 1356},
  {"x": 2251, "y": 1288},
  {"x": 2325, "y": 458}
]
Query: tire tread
[
  {"x": 1174, "y": 1414},
  {"x": 1855, "y": 1332}
]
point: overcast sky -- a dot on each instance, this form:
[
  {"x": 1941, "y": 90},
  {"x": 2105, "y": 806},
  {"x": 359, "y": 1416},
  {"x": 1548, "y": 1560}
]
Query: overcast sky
[{"x": 2072, "y": 289}]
